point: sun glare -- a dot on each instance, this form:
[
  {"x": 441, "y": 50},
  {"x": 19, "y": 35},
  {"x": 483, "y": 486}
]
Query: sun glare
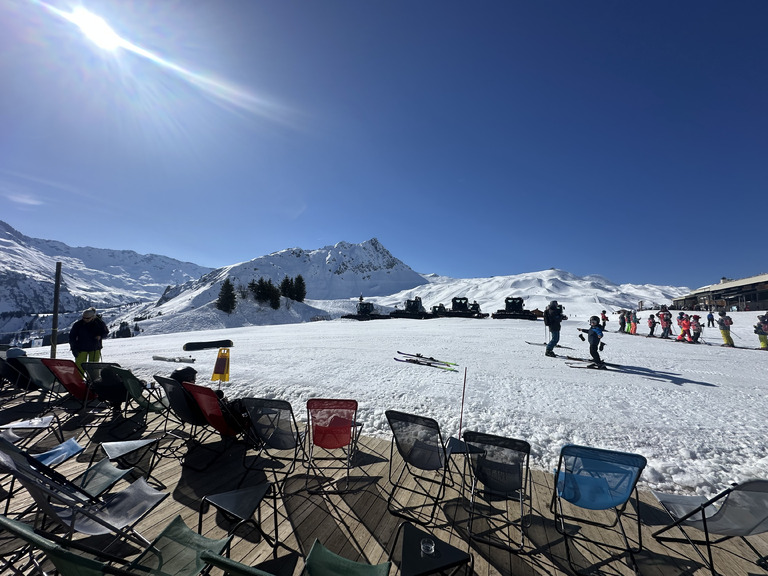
[{"x": 96, "y": 30}]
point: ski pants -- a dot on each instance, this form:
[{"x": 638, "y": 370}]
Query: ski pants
[
  {"x": 650, "y": 334},
  {"x": 695, "y": 337},
  {"x": 763, "y": 341},
  {"x": 553, "y": 342},
  {"x": 726, "y": 334},
  {"x": 685, "y": 335},
  {"x": 87, "y": 356},
  {"x": 593, "y": 351},
  {"x": 633, "y": 330}
]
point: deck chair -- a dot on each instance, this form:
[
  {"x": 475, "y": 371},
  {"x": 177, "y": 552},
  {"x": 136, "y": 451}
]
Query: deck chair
[
  {"x": 43, "y": 379},
  {"x": 420, "y": 445},
  {"x": 147, "y": 400},
  {"x": 322, "y": 562},
  {"x": 68, "y": 375},
  {"x": 183, "y": 408},
  {"x": 229, "y": 566},
  {"x": 331, "y": 427},
  {"x": 500, "y": 473},
  {"x": 78, "y": 511},
  {"x": 177, "y": 551},
  {"x": 15, "y": 375},
  {"x": 596, "y": 479},
  {"x": 93, "y": 370},
  {"x": 739, "y": 511},
  {"x": 273, "y": 431}
]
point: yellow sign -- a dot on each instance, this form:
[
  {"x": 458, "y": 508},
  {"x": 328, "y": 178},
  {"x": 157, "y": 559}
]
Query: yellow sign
[{"x": 221, "y": 368}]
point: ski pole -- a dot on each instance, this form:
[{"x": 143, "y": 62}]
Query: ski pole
[{"x": 463, "y": 391}]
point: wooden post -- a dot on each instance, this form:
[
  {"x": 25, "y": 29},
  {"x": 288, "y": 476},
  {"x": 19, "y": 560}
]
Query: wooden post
[{"x": 55, "y": 321}]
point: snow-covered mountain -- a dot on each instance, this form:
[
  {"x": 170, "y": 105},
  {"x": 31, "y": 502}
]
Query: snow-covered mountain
[
  {"x": 90, "y": 276},
  {"x": 164, "y": 295}
]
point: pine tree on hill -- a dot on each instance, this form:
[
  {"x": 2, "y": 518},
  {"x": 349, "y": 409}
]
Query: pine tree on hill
[
  {"x": 287, "y": 288},
  {"x": 299, "y": 289},
  {"x": 227, "y": 297}
]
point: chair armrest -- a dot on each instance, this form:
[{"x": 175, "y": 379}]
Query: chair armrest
[{"x": 231, "y": 566}]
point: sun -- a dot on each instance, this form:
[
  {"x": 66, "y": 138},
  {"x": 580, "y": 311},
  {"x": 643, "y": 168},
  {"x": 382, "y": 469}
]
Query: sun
[{"x": 96, "y": 29}]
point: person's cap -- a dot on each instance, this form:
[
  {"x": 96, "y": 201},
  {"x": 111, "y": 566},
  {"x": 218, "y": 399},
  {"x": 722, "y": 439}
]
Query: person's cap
[{"x": 90, "y": 313}]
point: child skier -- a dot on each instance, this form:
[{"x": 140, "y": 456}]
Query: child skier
[
  {"x": 622, "y": 322},
  {"x": 724, "y": 322},
  {"x": 651, "y": 325},
  {"x": 665, "y": 319},
  {"x": 761, "y": 329},
  {"x": 695, "y": 328},
  {"x": 685, "y": 328},
  {"x": 595, "y": 333},
  {"x": 634, "y": 320},
  {"x": 603, "y": 318}
]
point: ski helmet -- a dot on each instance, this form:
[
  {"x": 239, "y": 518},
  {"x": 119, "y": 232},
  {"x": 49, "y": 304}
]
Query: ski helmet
[
  {"x": 721, "y": 313},
  {"x": 594, "y": 320}
]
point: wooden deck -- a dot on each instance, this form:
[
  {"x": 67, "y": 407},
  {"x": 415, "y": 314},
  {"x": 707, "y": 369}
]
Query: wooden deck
[{"x": 357, "y": 525}]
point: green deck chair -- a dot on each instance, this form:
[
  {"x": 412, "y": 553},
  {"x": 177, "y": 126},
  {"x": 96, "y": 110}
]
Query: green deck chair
[{"x": 322, "y": 562}]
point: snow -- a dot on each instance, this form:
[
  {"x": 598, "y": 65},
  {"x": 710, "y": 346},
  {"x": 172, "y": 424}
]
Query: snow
[{"x": 696, "y": 412}]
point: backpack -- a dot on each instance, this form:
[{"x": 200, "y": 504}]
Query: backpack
[{"x": 727, "y": 321}]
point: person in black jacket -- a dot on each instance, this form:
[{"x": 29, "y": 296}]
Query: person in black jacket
[
  {"x": 85, "y": 338},
  {"x": 553, "y": 317}
]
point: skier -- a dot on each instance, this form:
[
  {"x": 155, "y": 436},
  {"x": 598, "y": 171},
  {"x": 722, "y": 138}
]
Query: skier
[
  {"x": 633, "y": 322},
  {"x": 553, "y": 317},
  {"x": 628, "y": 322},
  {"x": 622, "y": 322},
  {"x": 695, "y": 328},
  {"x": 761, "y": 329},
  {"x": 685, "y": 328},
  {"x": 603, "y": 318},
  {"x": 710, "y": 320},
  {"x": 651, "y": 325},
  {"x": 595, "y": 333},
  {"x": 724, "y": 322}
]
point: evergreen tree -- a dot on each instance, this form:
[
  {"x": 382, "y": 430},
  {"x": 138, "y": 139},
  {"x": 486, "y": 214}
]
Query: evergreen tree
[
  {"x": 274, "y": 297},
  {"x": 299, "y": 289},
  {"x": 227, "y": 297},
  {"x": 287, "y": 288}
]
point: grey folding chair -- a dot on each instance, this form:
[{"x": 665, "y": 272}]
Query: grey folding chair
[
  {"x": 500, "y": 474},
  {"x": 739, "y": 511},
  {"x": 421, "y": 447},
  {"x": 76, "y": 510}
]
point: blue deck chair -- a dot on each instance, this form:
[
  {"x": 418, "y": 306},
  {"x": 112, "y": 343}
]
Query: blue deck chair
[
  {"x": 596, "y": 479},
  {"x": 739, "y": 511}
]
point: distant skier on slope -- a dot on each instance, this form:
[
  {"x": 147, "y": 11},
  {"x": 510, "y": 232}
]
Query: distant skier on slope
[{"x": 595, "y": 334}]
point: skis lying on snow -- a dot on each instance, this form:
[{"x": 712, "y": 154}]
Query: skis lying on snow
[
  {"x": 174, "y": 359},
  {"x": 427, "y": 358},
  {"x": 556, "y": 346},
  {"x": 591, "y": 365},
  {"x": 427, "y": 361}
]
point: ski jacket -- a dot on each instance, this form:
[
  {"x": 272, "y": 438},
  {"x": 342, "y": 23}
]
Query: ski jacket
[
  {"x": 553, "y": 317},
  {"x": 695, "y": 325},
  {"x": 685, "y": 324},
  {"x": 87, "y": 336},
  {"x": 724, "y": 323},
  {"x": 761, "y": 328},
  {"x": 594, "y": 335},
  {"x": 651, "y": 321}
]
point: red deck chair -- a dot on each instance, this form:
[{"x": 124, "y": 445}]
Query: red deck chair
[
  {"x": 332, "y": 425},
  {"x": 68, "y": 375}
]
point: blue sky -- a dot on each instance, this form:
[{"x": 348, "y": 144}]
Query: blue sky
[{"x": 472, "y": 139}]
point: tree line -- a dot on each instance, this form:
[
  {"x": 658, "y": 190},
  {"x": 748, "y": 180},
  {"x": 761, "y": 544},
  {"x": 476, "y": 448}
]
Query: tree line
[{"x": 263, "y": 291}]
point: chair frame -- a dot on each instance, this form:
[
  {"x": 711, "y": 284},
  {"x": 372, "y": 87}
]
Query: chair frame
[
  {"x": 443, "y": 457},
  {"x": 267, "y": 438},
  {"x": 720, "y": 499},
  {"x": 346, "y": 411},
  {"x": 478, "y": 445},
  {"x": 607, "y": 458}
]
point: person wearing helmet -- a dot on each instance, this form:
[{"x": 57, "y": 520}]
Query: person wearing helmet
[
  {"x": 761, "y": 329},
  {"x": 685, "y": 328},
  {"x": 695, "y": 328},
  {"x": 622, "y": 321},
  {"x": 603, "y": 319},
  {"x": 594, "y": 335},
  {"x": 651, "y": 325},
  {"x": 724, "y": 322},
  {"x": 553, "y": 318}
]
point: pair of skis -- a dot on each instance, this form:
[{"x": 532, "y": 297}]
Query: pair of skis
[{"x": 422, "y": 360}]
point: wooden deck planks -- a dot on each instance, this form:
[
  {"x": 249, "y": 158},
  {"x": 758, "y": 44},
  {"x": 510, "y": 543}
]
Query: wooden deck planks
[{"x": 357, "y": 525}]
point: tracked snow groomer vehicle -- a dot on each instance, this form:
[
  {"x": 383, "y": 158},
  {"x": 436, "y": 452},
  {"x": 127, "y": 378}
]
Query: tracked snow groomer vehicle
[
  {"x": 460, "y": 308},
  {"x": 514, "y": 308},
  {"x": 413, "y": 309},
  {"x": 366, "y": 311}
]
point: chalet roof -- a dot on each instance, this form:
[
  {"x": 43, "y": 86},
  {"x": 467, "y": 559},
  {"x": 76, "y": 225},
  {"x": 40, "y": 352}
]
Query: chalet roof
[{"x": 731, "y": 284}]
